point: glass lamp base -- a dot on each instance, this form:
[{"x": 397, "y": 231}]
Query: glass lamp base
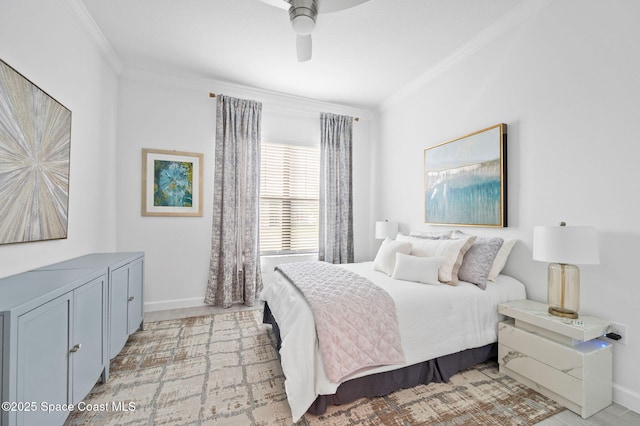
[
  {"x": 563, "y": 290},
  {"x": 564, "y": 314}
]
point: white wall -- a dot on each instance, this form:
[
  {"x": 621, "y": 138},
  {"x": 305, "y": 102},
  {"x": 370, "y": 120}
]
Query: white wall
[
  {"x": 167, "y": 112},
  {"x": 43, "y": 40},
  {"x": 565, "y": 80}
]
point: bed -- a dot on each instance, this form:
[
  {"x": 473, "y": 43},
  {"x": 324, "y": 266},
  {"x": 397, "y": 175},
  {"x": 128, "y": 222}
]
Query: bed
[{"x": 443, "y": 329}]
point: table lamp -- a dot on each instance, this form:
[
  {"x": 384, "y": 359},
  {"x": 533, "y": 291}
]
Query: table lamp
[
  {"x": 565, "y": 246},
  {"x": 386, "y": 229}
]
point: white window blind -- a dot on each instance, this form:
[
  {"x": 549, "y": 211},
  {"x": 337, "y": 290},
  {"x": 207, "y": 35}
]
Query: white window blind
[{"x": 289, "y": 188}]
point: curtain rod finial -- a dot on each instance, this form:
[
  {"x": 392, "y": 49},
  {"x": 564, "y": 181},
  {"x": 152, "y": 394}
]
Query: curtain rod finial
[{"x": 212, "y": 95}]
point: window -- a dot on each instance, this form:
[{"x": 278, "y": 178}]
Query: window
[{"x": 289, "y": 188}]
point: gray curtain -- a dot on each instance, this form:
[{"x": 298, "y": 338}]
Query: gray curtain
[
  {"x": 336, "y": 199},
  {"x": 234, "y": 271}
]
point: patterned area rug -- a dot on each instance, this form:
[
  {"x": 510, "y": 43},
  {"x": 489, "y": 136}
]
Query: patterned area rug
[{"x": 224, "y": 369}]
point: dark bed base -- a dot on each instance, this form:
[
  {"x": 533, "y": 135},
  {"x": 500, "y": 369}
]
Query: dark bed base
[{"x": 435, "y": 370}]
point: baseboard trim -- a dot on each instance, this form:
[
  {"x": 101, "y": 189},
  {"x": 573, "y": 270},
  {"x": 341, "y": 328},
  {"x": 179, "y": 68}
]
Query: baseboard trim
[
  {"x": 626, "y": 397},
  {"x": 174, "y": 304}
]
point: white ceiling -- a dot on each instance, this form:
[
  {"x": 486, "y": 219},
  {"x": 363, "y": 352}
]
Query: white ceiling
[{"x": 361, "y": 56}]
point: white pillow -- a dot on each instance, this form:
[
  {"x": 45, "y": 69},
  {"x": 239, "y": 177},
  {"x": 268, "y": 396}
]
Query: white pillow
[
  {"x": 418, "y": 269},
  {"x": 385, "y": 260},
  {"x": 452, "y": 250},
  {"x": 501, "y": 259}
]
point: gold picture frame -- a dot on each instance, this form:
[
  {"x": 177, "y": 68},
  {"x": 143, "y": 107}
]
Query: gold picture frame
[
  {"x": 465, "y": 180},
  {"x": 171, "y": 183}
]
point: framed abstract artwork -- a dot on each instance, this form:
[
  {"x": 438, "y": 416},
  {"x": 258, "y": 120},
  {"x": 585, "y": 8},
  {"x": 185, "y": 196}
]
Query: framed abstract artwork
[
  {"x": 171, "y": 183},
  {"x": 465, "y": 180},
  {"x": 35, "y": 147}
]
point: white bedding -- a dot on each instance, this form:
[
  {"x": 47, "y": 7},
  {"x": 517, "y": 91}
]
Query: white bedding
[{"x": 434, "y": 320}]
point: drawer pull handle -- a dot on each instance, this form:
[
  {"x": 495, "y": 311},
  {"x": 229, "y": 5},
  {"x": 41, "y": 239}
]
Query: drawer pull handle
[
  {"x": 75, "y": 348},
  {"x": 131, "y": 298}
]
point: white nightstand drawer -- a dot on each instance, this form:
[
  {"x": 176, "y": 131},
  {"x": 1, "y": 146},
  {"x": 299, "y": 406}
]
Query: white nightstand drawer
[
  {"x": 567, "y": 359},
  {"x": 541, "y": 373}
]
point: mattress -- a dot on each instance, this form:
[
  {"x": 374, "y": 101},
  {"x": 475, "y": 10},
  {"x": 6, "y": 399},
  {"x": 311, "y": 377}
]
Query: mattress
[{"x": 434, "y": 320}]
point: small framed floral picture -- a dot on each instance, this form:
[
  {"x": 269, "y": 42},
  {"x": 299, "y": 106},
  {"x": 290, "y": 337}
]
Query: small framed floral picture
[{"x": 171, "y": 183}]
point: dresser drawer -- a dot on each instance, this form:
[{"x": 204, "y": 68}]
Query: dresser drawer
[
  {"x": 567, "y": 359},
  {"x": 555, "y": 380}
]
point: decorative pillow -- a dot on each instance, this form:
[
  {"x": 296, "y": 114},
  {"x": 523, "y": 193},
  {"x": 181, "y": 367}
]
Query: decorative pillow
[
  {"x": 385, "y": 260},
  {"x": 417, "y": 269},
  {"x": 478, "y": 260},
  {"x": 456, "y": 234},
  {"x": 431, "y": 235},
  {"x": 501, "y": 259},
  {"x": 452, "y": 250}
]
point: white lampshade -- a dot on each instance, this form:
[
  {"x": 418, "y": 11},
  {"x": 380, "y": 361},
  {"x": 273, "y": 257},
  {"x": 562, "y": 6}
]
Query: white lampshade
[
  {"x": 577, "y": 245},
  {"x": 386, "y": 229}
]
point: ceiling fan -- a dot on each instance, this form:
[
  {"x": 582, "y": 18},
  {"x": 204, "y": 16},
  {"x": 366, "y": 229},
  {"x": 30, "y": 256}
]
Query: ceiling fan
[{"x": 303, "y": 14}]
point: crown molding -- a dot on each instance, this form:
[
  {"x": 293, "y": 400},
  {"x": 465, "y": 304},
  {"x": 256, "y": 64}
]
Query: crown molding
[
  {"x": 87, "y": 23},
  {"x": 272, "y": 101},
  {"x": 513, "y": 18}
]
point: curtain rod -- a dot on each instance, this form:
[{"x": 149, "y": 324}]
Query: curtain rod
[{"x": 213, "y": 95}]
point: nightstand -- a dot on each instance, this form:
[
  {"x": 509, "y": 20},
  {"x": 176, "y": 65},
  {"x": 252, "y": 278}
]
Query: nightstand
[{"x": 559, "y": 358}]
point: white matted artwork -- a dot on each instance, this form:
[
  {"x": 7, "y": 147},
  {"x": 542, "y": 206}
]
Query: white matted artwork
[{"x": 171, "y": 183}]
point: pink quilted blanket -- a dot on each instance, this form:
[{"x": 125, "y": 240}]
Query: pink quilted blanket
[{"x": 355, "y": 320}]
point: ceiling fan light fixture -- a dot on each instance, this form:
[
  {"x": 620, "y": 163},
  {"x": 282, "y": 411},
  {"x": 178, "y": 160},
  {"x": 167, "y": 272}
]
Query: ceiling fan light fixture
[
  {"x": 303, "y": 25},
  {"x": 302, "y": 14}
]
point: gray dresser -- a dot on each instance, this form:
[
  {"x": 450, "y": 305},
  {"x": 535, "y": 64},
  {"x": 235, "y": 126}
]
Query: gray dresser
[
  {"x": 125, "y": 278},
  {"x": 59, "y": 327}
]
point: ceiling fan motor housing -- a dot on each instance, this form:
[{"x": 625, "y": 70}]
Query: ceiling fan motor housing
[{"x": 302, "y": 14}]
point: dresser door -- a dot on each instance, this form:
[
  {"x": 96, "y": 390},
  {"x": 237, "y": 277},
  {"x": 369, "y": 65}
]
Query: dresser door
[
  {"x": 87, "y": 346},
  {"x": 43, "y": 360},
  {"x": 135, "y": 296},
  {"x": 118, "y": 295}
]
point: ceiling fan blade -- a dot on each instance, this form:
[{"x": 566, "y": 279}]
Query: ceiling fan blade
[
  {"x": 328, "y": 6},
  {"x": 303, "y": 47},
  {"x": 280, "y": 4}
]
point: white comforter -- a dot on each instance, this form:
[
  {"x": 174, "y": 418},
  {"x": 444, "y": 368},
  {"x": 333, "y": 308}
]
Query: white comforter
[{"x": 434, "y": 320}]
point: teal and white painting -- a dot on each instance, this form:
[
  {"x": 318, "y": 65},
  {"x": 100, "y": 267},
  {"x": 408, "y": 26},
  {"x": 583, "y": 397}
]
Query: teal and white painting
[
  {"x": 171, "y": 183},
  {"x": 465, "y": 180}
]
